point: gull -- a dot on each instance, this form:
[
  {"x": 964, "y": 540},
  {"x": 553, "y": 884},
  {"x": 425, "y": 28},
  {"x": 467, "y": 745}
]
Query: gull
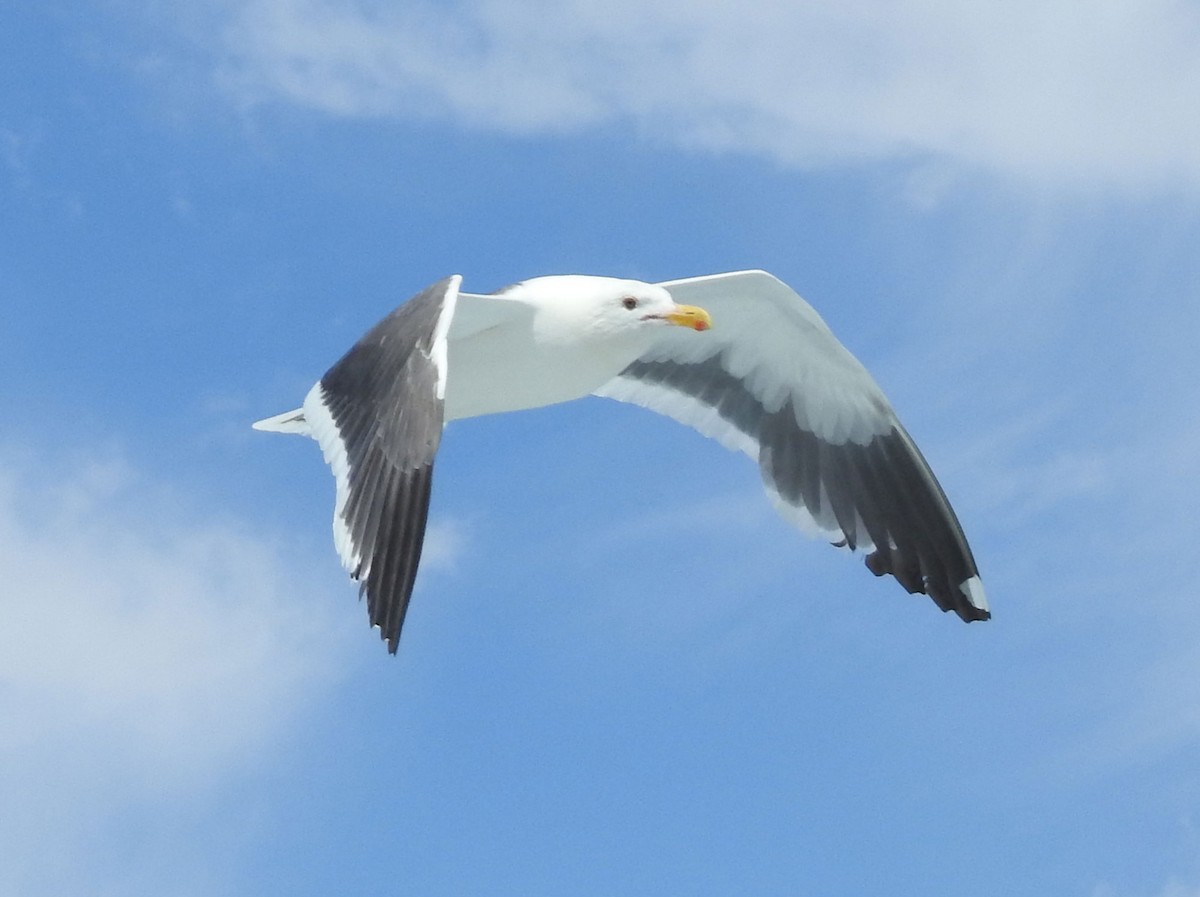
[{"x": 739, "y": 356}]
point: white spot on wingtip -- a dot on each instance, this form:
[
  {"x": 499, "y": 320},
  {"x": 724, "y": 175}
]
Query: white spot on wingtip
[{"x": 973, "y": 589}]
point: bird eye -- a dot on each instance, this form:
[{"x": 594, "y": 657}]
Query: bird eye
[{"x": 630, "y": 303}]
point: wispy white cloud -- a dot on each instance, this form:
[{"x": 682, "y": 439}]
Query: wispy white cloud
[
  {"x": 1052, "y": 91},
  {"x": 445, "y": 543},
  {"x": 1173, "y": 888},
  {"x": 16, "y": 149},
  {"x": 145, "y": 658}
]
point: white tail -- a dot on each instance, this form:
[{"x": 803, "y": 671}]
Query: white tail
[{"x": 288, "y": 422}]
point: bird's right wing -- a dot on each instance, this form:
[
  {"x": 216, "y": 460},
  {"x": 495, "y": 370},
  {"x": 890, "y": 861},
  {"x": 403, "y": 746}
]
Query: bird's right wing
[{"x": 771, "y": 380}]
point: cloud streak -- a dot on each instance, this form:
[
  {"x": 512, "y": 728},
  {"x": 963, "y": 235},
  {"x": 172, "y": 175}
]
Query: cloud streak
[
  {"x": 1050, "y": 92},
  {"x": 144, "y": 659}
]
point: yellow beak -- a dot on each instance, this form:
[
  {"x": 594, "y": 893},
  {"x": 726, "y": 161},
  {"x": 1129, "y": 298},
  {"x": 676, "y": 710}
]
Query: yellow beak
[{"x": 690, "y": 316}]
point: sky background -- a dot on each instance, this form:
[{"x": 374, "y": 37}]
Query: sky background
[{"x": 621, "y": 672}]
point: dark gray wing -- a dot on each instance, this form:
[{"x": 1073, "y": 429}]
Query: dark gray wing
[
  {"x": 771, "y": 380},
  {"x": 378, "y": 415}
]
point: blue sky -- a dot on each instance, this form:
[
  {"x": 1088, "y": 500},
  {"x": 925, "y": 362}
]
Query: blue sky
[{"x": 621, "y": 673}]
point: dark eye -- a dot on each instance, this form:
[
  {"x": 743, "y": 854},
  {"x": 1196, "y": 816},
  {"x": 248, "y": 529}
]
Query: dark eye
[{"x": 629, "y": 302}]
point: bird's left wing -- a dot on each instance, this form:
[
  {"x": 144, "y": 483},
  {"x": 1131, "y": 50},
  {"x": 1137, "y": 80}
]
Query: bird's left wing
[{"x": 771, "y": 380}]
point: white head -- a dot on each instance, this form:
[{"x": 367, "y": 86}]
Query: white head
[{"x": 578, "y": 308}]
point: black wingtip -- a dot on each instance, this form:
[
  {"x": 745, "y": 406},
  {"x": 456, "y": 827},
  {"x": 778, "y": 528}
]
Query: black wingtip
[{"x": 946, "y": 596}]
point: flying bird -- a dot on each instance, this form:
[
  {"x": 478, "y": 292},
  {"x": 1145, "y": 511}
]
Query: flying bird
[{"x": 740, "y": 357}]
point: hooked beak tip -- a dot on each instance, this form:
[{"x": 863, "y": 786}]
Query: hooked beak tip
[{"x": 690, "y": 316}]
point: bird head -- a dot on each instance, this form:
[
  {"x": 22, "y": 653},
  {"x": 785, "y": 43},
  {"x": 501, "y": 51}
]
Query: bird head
[{"x": 581, "y": 308}]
